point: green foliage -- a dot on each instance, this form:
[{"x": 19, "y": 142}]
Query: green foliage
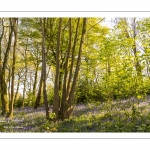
[
  {"x": 87, "y": 93},
  {"x": 113, "y": 69},
  {"x": 112, "y": 120},
  {"x": 28, "y": 102},
  {"x": 18, "y": 102},
  {"x": 52, "y": 116},
  {"x": 48, "y": 127},
  {"x": 50, "y": 95}
]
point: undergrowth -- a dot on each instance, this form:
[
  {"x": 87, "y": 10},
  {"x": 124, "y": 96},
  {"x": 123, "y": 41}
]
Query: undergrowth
[{"x": 130, "y": 115}]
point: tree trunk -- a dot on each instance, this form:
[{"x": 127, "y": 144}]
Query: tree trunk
[
  {"x": 65, "y": 92},
  {"x": 35, "y": 79},
  {"x": 1, "y": 38},
  {"x": 25, "y": 78},
  {"x": 3, "y": 73},
  {"x": 137, "y": 63},
  {"x": 15, "y": 24},
  {"x": 44, "y": 67},
  {"x": 73, "y": 57},
  {"x": 18, "y": 84},
  {"x": 134, "y": 48},
  {"x": 69, "y": 87},
  {"x": 56, "y": 85},
  {"x": 73, "y": 88},
  {"x": 38, "y": 98},
  {"x": 9, "y": 83}
]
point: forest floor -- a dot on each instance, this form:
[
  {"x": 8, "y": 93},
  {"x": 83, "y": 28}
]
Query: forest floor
[{"x": 128, "y": 115}]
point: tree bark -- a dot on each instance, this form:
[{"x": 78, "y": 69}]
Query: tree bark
[
  {"x": 15, "y": 25},
  {"x": 35, "y": 79},
  {"x": 38, "y": 98},
  {"x": 137, "y": 63},
  {"x": 18, "y": 84},
  {"x": 42, "y": 21},
  {"x": 75, "y": 80},
  {"x": 134, "y": 48},
  {"x": 25, "y": 78},
  {"x": 69, "y": 86},
  {"x": 1, "y": 38},
  {"x": 56, "y": 85},
  {"x": 65, "y": 92},
  {"x": 73, "y": 57},
  {"x": 4, "y": 95}
]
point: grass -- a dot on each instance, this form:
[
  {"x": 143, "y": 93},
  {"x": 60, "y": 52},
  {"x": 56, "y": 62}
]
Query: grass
[{"x": 131, "y": 115}]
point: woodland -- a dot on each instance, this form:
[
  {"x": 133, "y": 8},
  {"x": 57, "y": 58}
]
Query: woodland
[{"x": 75, "y": 74}]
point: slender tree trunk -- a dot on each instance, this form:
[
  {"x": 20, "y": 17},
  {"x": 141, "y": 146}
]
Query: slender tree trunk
[
  {"x": 4, "y": 95},
  {"x": 60, "y": 83},
  {"x": 65, "y": 92},
  {"x": 30, "y": 84},
  {"x": 38, "y": 98},
  {"x": 35, "y": 80},
  {"x": 73, "y": 88},
  {"x": 147, "y": 68},
  {"x": 44, "y": 67},
  {"x": 69, "y": 87},
  {"x": 134, "y": 48},
  {"x": 137, "y": 64},
  {"x": 4, "y": 98},
  {"x": 18, "y": 84},
  {"x": 73, "y": 57},
  {"x": 1, "y": 38},
  {"x": 9, "y": 83},
  {"x": 24, "y": 91},
  {"x": 15, "y": 24},
  {"x": 56, "y": 85},
  {"x": 25, "y": 78}
]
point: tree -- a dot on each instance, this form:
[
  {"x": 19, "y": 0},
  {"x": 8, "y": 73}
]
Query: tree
[
  {"x": 65, "y": 108},
  {"x": 15, "y": 25},
  {"x": 56, "y": 105},
  {"x": 4, "y": 99},
  {"x": 42, "y": 21},
  {"x": 1, "y": 38}
]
